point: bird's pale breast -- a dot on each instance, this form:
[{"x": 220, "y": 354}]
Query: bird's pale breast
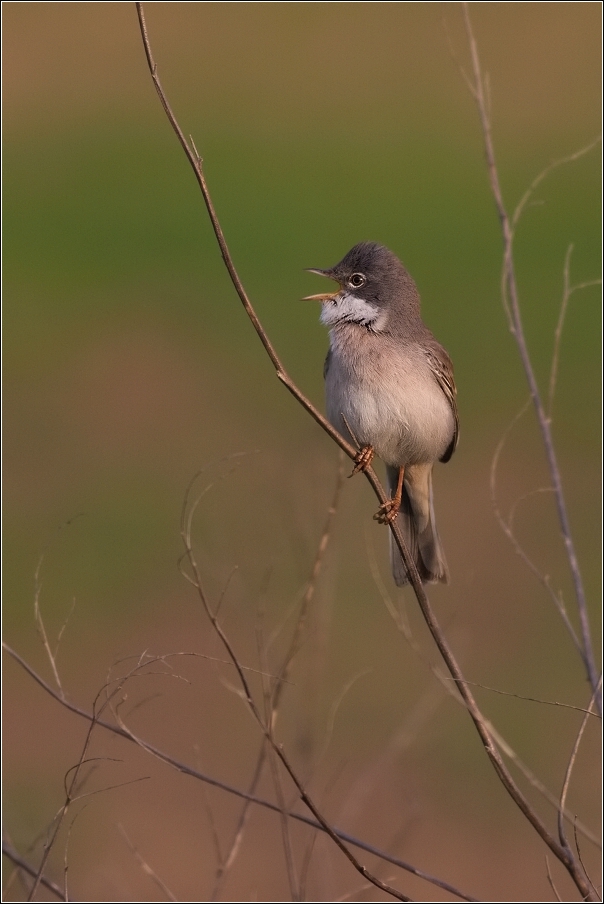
[{"x": 388, "y": 395}]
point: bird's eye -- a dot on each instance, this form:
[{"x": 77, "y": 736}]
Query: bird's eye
[{"x": 357, "y": 280}]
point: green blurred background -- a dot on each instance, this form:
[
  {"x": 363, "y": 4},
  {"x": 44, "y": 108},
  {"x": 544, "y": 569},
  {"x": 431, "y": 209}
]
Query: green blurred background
[{"x": 129, "y": 365}]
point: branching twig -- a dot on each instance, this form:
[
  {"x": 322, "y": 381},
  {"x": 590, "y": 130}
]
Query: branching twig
[
  {"x": 568, "y": 291},
  {"x": 512, "y": 305},
  {"x": 255, "y": 712},
  {"x": 127, "y": 734},
  {"x": 70, "y": 789}
]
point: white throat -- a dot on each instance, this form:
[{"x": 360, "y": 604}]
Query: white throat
[{"x": 349, "y": 308}]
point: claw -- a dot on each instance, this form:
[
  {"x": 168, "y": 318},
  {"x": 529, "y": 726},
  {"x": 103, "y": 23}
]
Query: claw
[
  {"x": 387, "y": 512},
  {"x": 390, "y": 509},
  {"x": 363, "y": 459}
]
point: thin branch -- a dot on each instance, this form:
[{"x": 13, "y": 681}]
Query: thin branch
[
  {"x": 495, "y": 690},
  {"x": 69, "y": 798},
  {"x": 40, "y": 625},
  {"x": 183, "y": 768},
  {"x": 211, "y": 820},
  {"x": 567, "y": 776},
  {"x": 566, "y": 294},
  {"x": 545, "y": 172},
  {"x": 52, "y": 656},
  {"x": 22, "y": 864},
  {"x": 148, "y": 659},
  {"x": 505, "y": 526},
  {"x": 550, "y": 879},
  {"x": 511, "y": 300},
  {"x": 145, "y": 866},
  {"x": 304, "y": 869},
  {"x": 226, "y": 863},
  {"x": 599, "y": 895},
  {"x": 197, "y": 164}
]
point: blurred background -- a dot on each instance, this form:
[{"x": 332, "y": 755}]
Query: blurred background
[{"x": 129, "y": 366}]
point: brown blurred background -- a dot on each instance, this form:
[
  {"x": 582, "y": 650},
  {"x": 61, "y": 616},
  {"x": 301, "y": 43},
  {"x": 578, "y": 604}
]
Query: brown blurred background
[{"x": 129, "y": 365}]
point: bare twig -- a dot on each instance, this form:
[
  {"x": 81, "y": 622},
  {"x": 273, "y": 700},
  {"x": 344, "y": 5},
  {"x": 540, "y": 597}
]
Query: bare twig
[
  {"x": 40, "y": 625},
  {"x": 414, "y": 579},
  {"x": 512, "y": 304},
  {"x": 183, "y": 768},
  {"x": 566, "y": 294},
  {"x": 145, "y": 866},
  {"x": 22, "y": 864},
  {"x": 567, "y": 776},
  {"x": 70, "y": 789},
  {"x": 495, "y": 690},
  {"x": 211, "y": 820},
  {"x": 506, "y": 527},
  {"x": 596, "y": 892},
  {"x": 226, "y": 863},
  {"x": 550, "y": 879},
  {"x": 66, "y": 851},
  {"x": 52, "y": 655},
  {"x": 304, "y": 869}
]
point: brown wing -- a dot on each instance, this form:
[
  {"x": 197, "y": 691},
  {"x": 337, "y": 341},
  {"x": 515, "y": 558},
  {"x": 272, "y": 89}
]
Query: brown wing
[{"x": 442, "y": 368}]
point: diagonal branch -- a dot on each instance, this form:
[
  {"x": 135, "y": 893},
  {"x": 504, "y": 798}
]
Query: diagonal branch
[{"x": 11, "y": 854}]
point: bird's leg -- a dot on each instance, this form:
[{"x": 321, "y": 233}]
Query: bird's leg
[
  {"x": 362, "y": 459},
  {"x": 389, "y": 510}
]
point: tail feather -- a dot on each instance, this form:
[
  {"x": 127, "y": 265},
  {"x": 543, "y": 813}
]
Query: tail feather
[{"x": 418, "y": 527}]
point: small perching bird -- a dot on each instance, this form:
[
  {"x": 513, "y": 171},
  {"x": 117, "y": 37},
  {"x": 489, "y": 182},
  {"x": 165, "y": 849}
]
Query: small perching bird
[{"x": 389, "y": 387}]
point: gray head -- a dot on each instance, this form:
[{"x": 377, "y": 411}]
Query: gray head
[{"x": 375, "y": 291}]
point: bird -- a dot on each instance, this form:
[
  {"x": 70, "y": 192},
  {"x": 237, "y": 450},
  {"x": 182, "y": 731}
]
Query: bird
[{"x": 389, "y": 388}]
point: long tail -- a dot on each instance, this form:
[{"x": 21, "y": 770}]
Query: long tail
[{"x": 418, "y": 527}]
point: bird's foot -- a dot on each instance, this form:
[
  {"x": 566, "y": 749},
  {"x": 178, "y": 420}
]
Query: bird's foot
[
  {"x": 362, "y": 460},
  {"x": 388, "y": 511}
]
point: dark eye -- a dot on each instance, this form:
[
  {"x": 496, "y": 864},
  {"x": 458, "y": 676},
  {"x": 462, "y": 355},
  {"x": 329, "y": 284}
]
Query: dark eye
[{"x": 357, "y": 280}]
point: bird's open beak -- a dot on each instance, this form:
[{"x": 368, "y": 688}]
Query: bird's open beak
[{"x": 329, "y": 296}]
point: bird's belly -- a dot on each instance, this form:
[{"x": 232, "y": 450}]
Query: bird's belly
[{"x": 407, "y": 420}]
